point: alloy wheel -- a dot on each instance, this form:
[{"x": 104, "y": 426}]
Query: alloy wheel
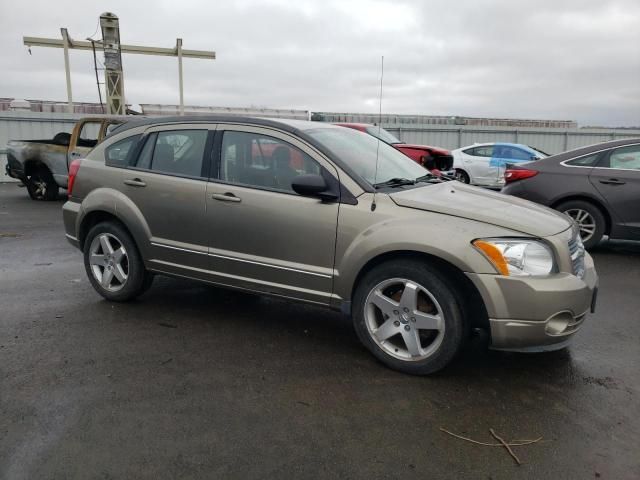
[
  {"x": 404, "y": 319},
  {"x": 109, "y": 262},
  {"x": 585, "y": 221}
]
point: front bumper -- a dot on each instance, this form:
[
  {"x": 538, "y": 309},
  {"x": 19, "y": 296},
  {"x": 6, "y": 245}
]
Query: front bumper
[{"x": 536, "y": 314}]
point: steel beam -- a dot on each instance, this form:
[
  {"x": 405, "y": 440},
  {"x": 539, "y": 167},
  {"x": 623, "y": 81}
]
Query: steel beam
[{"x": 135, "y": 49}]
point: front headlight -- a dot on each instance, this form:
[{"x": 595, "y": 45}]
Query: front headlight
[{"x": 518, "y": 257}]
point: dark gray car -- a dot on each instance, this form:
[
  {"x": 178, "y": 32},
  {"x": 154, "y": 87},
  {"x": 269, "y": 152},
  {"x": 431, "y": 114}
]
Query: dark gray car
[{"x": 598, "y": 186}]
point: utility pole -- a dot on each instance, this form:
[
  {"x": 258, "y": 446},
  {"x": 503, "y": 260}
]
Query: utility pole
[{"x": 113, "y": 51}]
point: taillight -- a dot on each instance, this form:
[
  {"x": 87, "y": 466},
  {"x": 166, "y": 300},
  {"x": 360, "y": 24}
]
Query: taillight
[
  {"x": 511, "y": 174},
  {"x": 73, "y": 171}
]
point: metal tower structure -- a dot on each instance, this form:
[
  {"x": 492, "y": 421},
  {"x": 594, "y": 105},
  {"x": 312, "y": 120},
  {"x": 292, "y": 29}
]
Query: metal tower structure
[{"x": 113, "y": 76}]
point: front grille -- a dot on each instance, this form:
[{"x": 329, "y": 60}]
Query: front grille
[{"x": 576, "y": 250}]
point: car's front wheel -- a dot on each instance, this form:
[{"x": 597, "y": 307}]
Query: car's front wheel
[
  {"x": 113, "y": 263},
  {"x": 406, "y": 313}
]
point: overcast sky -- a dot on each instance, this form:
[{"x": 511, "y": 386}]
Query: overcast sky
[{"x": 559, "y": 59}]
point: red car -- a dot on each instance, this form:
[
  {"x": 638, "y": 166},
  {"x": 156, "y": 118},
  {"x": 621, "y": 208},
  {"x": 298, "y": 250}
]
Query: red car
[{"x": 435, "y": 159}]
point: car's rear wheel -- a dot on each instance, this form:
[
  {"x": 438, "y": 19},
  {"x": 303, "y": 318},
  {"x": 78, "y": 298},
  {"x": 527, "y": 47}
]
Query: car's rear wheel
[
  {"x": 41, "y": 185},
  {"x": 462, "y": 176},
  {"x": 408, "y": 316},
  {"x": 589, "y": 219},
  {"x": 113, "y": 264}
]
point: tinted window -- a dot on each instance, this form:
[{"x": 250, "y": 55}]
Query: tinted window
[
  {"x": 588, "y": 161},
  {"x": 512, "y": 152},
  {"x": 179, "y": 152},
  {"x": 486, "y": 151},
  {"x": 117, "y": 154},
  {"x": 625, "y": 157},
  {"x": 261, "y": 161}
]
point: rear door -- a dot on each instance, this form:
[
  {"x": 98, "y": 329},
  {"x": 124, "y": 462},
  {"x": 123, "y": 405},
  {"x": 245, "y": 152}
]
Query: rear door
[
  {"x": 477, "y": 162},
  {"x": 167, "y": 183},
  {"x": 617, "y": 178},
  {"x": 262, "y": 235}
]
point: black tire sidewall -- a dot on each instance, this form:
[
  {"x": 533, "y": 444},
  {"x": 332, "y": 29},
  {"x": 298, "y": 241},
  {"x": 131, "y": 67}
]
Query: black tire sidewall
[
  {"x": 463, "y": 176},
  {"x": 42, "y": 173},
  {"x": 434, "y": 281},
  {"x": 595, "y": 212},
  {"x": 136, "y": 280}
]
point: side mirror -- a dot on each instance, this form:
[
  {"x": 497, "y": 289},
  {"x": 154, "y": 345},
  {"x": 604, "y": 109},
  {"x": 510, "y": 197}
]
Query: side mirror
[
  {"x": 535, "y": 157},
  {"x": 312, "y": 186}
]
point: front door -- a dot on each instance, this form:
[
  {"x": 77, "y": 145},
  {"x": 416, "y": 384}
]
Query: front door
[
  {"x": 262, "y": 235},
  {"x": 167, "y": 183},
  {"x": 617, "y": 178}
]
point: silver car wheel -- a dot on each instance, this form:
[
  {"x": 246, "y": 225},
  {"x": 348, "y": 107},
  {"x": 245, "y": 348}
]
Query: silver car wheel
[
  {"x": 404, "y": 319},
  {"x": 109, "y": 262},
  {"x": 586, "y": 222}
]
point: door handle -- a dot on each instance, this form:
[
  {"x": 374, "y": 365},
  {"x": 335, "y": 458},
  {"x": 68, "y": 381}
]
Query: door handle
[
  {"x": 613, "y": 181},
  {"x": 135, "y": 182},
  {"x": 226, "y": 197}
]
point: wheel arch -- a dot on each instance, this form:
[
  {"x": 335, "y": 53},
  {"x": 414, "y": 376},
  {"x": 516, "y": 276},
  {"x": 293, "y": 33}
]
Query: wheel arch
[
  {"x": 585, "y": 198},
  {"x": 105, "y": 204},
  {"x": 475, "y": 311}
]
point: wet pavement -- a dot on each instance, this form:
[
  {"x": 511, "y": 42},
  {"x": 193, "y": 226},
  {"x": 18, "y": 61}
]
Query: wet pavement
[{"x": 192, "y": 381}]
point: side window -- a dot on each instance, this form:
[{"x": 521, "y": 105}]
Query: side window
[
  {"x": 117, "y": 154},
  {"x": 178, "y": 152},
  {"x": 144, "y": 159},
  {"x": 89, "y": 134},
  {"x": 588, "y": 161},
  {"x": 262, "y": 161},
  {"x": 627, "y": 158},
  {"x": 516, "y": 154},
  {"x": 486, "y": 151}
]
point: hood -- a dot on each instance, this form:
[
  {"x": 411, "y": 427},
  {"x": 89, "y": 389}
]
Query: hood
[
  {"x": 474, "y": 203},
  {"x": 436, "y": 150}
]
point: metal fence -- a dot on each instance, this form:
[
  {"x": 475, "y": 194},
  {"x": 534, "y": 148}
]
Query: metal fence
[
  {"x": 18, "y": 125},
  {"x": 549, "y": 140}
]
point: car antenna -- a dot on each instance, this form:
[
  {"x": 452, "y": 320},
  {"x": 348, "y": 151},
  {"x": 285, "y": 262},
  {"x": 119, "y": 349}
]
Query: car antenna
[{"x": 375, "y": 175}]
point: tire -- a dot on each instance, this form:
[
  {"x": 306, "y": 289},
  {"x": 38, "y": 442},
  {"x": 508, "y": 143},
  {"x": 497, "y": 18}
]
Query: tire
[
  {"x": 385, "y": 335},
  {"x": 589, "y": 218},
  {"x": 126, "y": 277},
  {"x": 463, "y": 176},
  {"x": 41, "y": 185}
]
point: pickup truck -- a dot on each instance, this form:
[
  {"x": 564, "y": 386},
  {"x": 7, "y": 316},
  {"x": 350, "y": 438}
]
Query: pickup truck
[
  {"x": 436, "y": 159},
  {"x": 43, "y": 165}
]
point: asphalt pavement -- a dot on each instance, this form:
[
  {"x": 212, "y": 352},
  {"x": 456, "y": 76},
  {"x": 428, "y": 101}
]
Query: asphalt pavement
[{"x": 192, "y": 381}]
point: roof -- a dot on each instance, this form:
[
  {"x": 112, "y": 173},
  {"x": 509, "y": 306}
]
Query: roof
[{"x": 293, "y": 126}]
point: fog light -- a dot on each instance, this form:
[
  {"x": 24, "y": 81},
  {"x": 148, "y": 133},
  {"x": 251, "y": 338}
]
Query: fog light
[{"x": 558, "y": 323}]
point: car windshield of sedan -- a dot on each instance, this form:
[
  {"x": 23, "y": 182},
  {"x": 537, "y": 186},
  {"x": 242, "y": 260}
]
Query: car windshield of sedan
[
  {"x": 382, "y": 134},
  {"x": 358, "y": 150}
]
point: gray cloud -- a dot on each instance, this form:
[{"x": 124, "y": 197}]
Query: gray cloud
[{"x": 573, "y": 59}]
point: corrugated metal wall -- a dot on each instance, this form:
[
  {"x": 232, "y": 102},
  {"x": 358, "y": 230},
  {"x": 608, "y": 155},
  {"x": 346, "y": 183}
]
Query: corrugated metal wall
[
  {"x": 551, "y": 140},
  {"x": 31, "y": 126}
]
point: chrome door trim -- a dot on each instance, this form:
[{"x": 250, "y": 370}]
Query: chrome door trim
[
  {"x": 263, "y": 264},
  {"x": 253, "y": 262}
]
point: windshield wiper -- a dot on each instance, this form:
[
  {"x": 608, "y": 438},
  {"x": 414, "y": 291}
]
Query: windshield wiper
[
  {"x": 431, "y": 178},
  {"x": 395, "y": 182}
]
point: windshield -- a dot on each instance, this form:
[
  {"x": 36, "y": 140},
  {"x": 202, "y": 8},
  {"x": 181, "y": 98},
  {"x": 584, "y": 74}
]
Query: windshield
[
  {"x": 383, "y": 135},
  {"x": 358, "y": 151}
]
